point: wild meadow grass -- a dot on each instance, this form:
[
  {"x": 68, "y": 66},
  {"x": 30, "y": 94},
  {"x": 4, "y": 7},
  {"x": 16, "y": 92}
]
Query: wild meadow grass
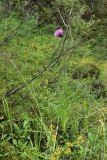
[{"x": 62, "y": 114}]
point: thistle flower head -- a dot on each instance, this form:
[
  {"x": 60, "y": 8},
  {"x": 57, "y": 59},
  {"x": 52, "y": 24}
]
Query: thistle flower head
[{"x": 59, "y": 33}]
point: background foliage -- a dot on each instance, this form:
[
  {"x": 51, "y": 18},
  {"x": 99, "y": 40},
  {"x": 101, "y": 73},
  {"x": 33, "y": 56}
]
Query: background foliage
[{"x": 62, "y": 114}]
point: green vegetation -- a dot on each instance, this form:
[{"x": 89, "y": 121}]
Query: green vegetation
[{"x": 61, "y": 114}]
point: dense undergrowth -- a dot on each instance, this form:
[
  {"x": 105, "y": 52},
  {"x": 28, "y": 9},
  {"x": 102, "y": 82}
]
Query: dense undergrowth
[{"x": 63, "y": 113}]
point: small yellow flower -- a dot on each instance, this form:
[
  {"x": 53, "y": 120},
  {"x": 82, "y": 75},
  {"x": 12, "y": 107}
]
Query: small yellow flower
[
  {"x": 54, "y": 138},
  {"x": 103, "y": 110},
  {"x": 53, "y": 133},
  {"x": 56, "y": 154},
  {"x": 88, "y": 61},
  {"x": 80, "y": 139},
  {"x": 46, "y": 81},
  {"x": 69, "y": 144},
  {"x": 67, "y": 151},
  {"x": 51, "y": 127}
]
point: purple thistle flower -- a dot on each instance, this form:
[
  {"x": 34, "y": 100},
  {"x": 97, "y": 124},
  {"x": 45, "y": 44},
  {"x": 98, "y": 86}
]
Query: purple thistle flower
[{"x": 59, "y": 33}]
